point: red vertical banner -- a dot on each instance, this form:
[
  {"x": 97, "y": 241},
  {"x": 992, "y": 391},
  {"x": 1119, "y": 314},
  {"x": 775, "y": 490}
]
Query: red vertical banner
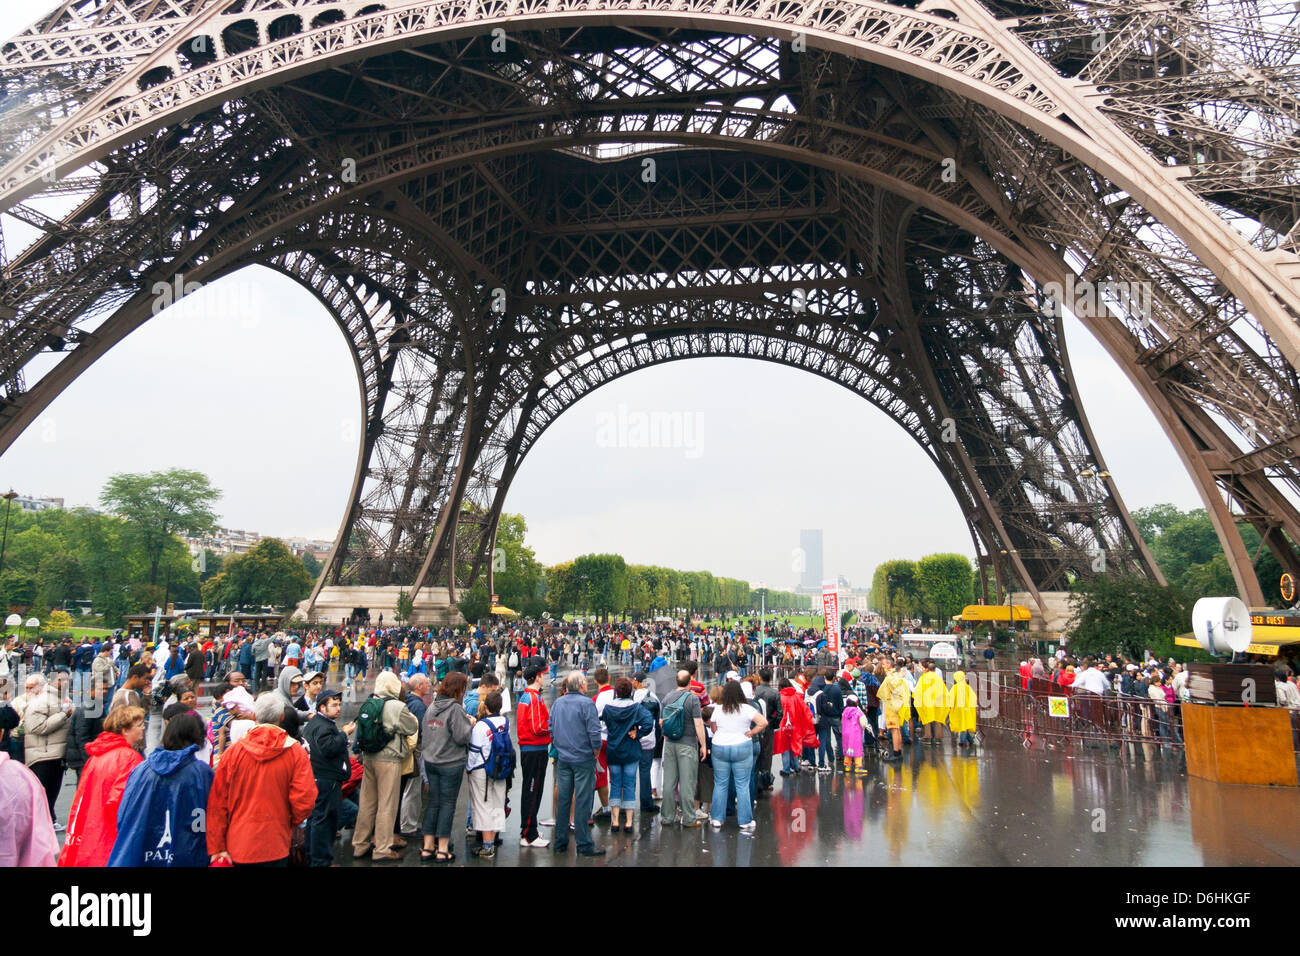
[{"x": 831, "y": 615}]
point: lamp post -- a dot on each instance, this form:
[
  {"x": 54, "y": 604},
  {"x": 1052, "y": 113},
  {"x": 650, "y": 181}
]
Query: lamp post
[
  {"x": 1011, "y": 625},
  {"x": 9, "y": 497}
]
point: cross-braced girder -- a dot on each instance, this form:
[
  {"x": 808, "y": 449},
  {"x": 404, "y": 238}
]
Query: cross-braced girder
[{"x": 503, "y": 221}]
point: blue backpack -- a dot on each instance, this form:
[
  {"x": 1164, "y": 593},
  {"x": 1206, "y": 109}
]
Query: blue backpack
[{"x": 499, "y": 761}]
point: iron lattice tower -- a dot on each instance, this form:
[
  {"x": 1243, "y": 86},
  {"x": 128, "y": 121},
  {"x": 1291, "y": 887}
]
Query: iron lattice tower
[{"x": 506, "y": 203}]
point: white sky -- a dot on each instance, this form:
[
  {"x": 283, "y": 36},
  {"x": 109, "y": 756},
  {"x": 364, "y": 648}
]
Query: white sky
[{"x": 268, "y": 406}]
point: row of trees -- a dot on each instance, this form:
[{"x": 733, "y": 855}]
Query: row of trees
[
  {"x": 933, "y": 589},
  {"x": 607, "y": 585}
]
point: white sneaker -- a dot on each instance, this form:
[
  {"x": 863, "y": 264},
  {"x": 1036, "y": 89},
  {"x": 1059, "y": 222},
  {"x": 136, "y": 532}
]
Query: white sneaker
[
  {"x": 717, "y": 824},
  {"x": 749, "y": 827},
  {"x": 701, "y": 815},
  {"x": 59, "y": 828},
  {"x": 540, "y": 843},
  {"x": 546, "y": 823},
  {"x": 825, "y": 769}
]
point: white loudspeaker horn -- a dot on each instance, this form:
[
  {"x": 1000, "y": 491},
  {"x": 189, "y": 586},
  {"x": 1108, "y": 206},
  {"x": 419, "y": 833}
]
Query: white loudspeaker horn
[{"x": 1221, "y": 624}]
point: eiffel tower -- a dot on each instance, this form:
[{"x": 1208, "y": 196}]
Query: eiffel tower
[{"x": 505, "y": 204}]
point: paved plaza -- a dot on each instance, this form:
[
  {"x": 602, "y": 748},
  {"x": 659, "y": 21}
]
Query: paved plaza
[{"x": 1003, "y": 805}]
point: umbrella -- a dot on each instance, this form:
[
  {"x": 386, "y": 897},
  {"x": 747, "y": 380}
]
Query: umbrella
[{"x": 664, "y": 681}]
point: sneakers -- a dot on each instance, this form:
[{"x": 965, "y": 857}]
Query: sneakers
[
  {"x": 749, "y": 827},
  {"x": 546, "y": 823},
  {"x": 702, "y": 815},
  {"x": 717, "y": 824},
  {"x": 824, "y": 769},
  {"x": 540, "y": 843},
  {"x": 59, "y": 827}
]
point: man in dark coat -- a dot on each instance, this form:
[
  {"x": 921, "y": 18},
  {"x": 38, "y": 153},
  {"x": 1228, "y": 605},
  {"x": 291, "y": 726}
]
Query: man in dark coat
[{"x": 328, "y": 747}]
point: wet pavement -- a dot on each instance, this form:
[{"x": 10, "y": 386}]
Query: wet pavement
[{"x": 1000, "y": 805}]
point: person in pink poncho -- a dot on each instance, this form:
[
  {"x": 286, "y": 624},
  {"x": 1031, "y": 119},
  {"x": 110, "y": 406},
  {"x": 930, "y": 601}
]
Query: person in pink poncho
[
  {"x": 852, "y": 722},
  {"x": 27, "y": 836}
]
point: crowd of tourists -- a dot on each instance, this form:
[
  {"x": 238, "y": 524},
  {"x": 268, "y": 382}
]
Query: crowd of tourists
[{"x": 687, "y": 729}]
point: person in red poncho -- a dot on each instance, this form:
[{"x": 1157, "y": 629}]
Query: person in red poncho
[
  {"x": 92, "y": 823},
  {"x": 796, "y": 729}
]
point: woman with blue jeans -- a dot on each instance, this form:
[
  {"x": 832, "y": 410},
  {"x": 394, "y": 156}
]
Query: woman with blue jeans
[
  {"x": 445, "y": 748},
  {"x": 626, "y": 722},
  {"x": 735, "y": 725}
]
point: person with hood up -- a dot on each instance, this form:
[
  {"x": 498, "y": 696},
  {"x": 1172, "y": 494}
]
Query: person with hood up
[
  {"x": 92, "y": 821},
  {"x": 931, "y": 700},
  {"x": 852, "y": 723},
  {"x": 381, "y": 787},
  {"x": 290, "y": 685},
  {"x": 261, "y": 790},
  {"x": 894, "y": 699},
  {"x": 161, "y": 821},
  {"x": 796, "y": 728},
  {"x": 961, "y": 709},
  {"x": 626, "y": 722},
  {"x": 27, "y": 838}
]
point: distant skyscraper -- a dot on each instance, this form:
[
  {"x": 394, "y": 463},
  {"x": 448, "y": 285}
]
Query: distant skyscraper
[{"x": 810, "y": 541}]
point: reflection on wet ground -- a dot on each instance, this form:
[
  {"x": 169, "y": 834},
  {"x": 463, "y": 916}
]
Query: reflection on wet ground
[{"x": 1002, "y": 806}]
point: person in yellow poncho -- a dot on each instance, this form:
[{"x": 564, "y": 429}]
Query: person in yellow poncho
[
  {"x": 930, "y": 698},
  {"x": 961, "y": 710},
  {"x": 894, "y": 696}
]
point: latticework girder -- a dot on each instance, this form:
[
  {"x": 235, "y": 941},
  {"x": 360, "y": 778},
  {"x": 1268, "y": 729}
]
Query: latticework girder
[{"x": 507, "y": 203}]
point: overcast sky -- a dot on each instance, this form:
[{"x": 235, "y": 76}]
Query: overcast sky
[{"x": 266, "y": 403}]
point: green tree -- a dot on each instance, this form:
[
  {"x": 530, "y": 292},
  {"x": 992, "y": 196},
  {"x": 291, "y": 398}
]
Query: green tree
[
  {"x": 405, "y": 607},
  {"x": 268, "y": 574},
  {"x": 161, "y": 504},
  {"x": 944, "y": 583},
  {"x": 603, "y": 580},
  {"x": 1127, "y": 613},
  {"x": 475, "y": 603},
  {"x": 516, "y": 573},
  {"x": 312, "y": 565}
]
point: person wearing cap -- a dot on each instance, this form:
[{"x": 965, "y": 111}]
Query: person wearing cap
[
  {"x": 313, "y": 682},
  {"x": 327, "y": 746}
]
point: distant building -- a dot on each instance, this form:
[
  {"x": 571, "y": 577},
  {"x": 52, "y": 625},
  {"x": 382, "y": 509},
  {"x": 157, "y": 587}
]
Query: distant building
[
  {"x": 239, "y": 541},
  {"x": 38, "y": 504},
  {"x": 810, "y": 543}
]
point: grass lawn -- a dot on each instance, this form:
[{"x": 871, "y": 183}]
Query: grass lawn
[
  {"x": 797, "y": 621},
  {"x": 91, "y": 631}
]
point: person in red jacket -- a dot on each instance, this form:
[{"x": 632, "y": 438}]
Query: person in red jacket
[
  {"x": 92, "y": 822},
  {"x": 262, "y": 789},
  {"x": 796, "y": 728},
  {"x": 533, "y": 726}
]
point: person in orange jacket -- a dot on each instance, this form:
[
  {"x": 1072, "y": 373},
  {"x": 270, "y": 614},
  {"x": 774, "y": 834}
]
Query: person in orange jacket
[
  {"x": 262, "y": 789},
  {"x": 92, "y": 822}
]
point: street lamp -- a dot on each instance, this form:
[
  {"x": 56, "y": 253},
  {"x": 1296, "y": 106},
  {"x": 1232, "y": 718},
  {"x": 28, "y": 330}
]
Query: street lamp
[
  {"x": 1011, "y": 624},
  {"x": 9, "y": 497}
]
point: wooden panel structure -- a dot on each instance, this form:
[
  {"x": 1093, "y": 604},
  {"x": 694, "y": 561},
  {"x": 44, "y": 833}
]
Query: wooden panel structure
[{"x": 1249, "y": 745}]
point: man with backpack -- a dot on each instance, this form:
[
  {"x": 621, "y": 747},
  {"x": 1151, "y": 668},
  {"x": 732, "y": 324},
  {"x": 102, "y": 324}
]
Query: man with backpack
[
  {"x": 383, "y": 726},
  {"x": 533, "y": 725},
  {"x": 685, "y": 745}
]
